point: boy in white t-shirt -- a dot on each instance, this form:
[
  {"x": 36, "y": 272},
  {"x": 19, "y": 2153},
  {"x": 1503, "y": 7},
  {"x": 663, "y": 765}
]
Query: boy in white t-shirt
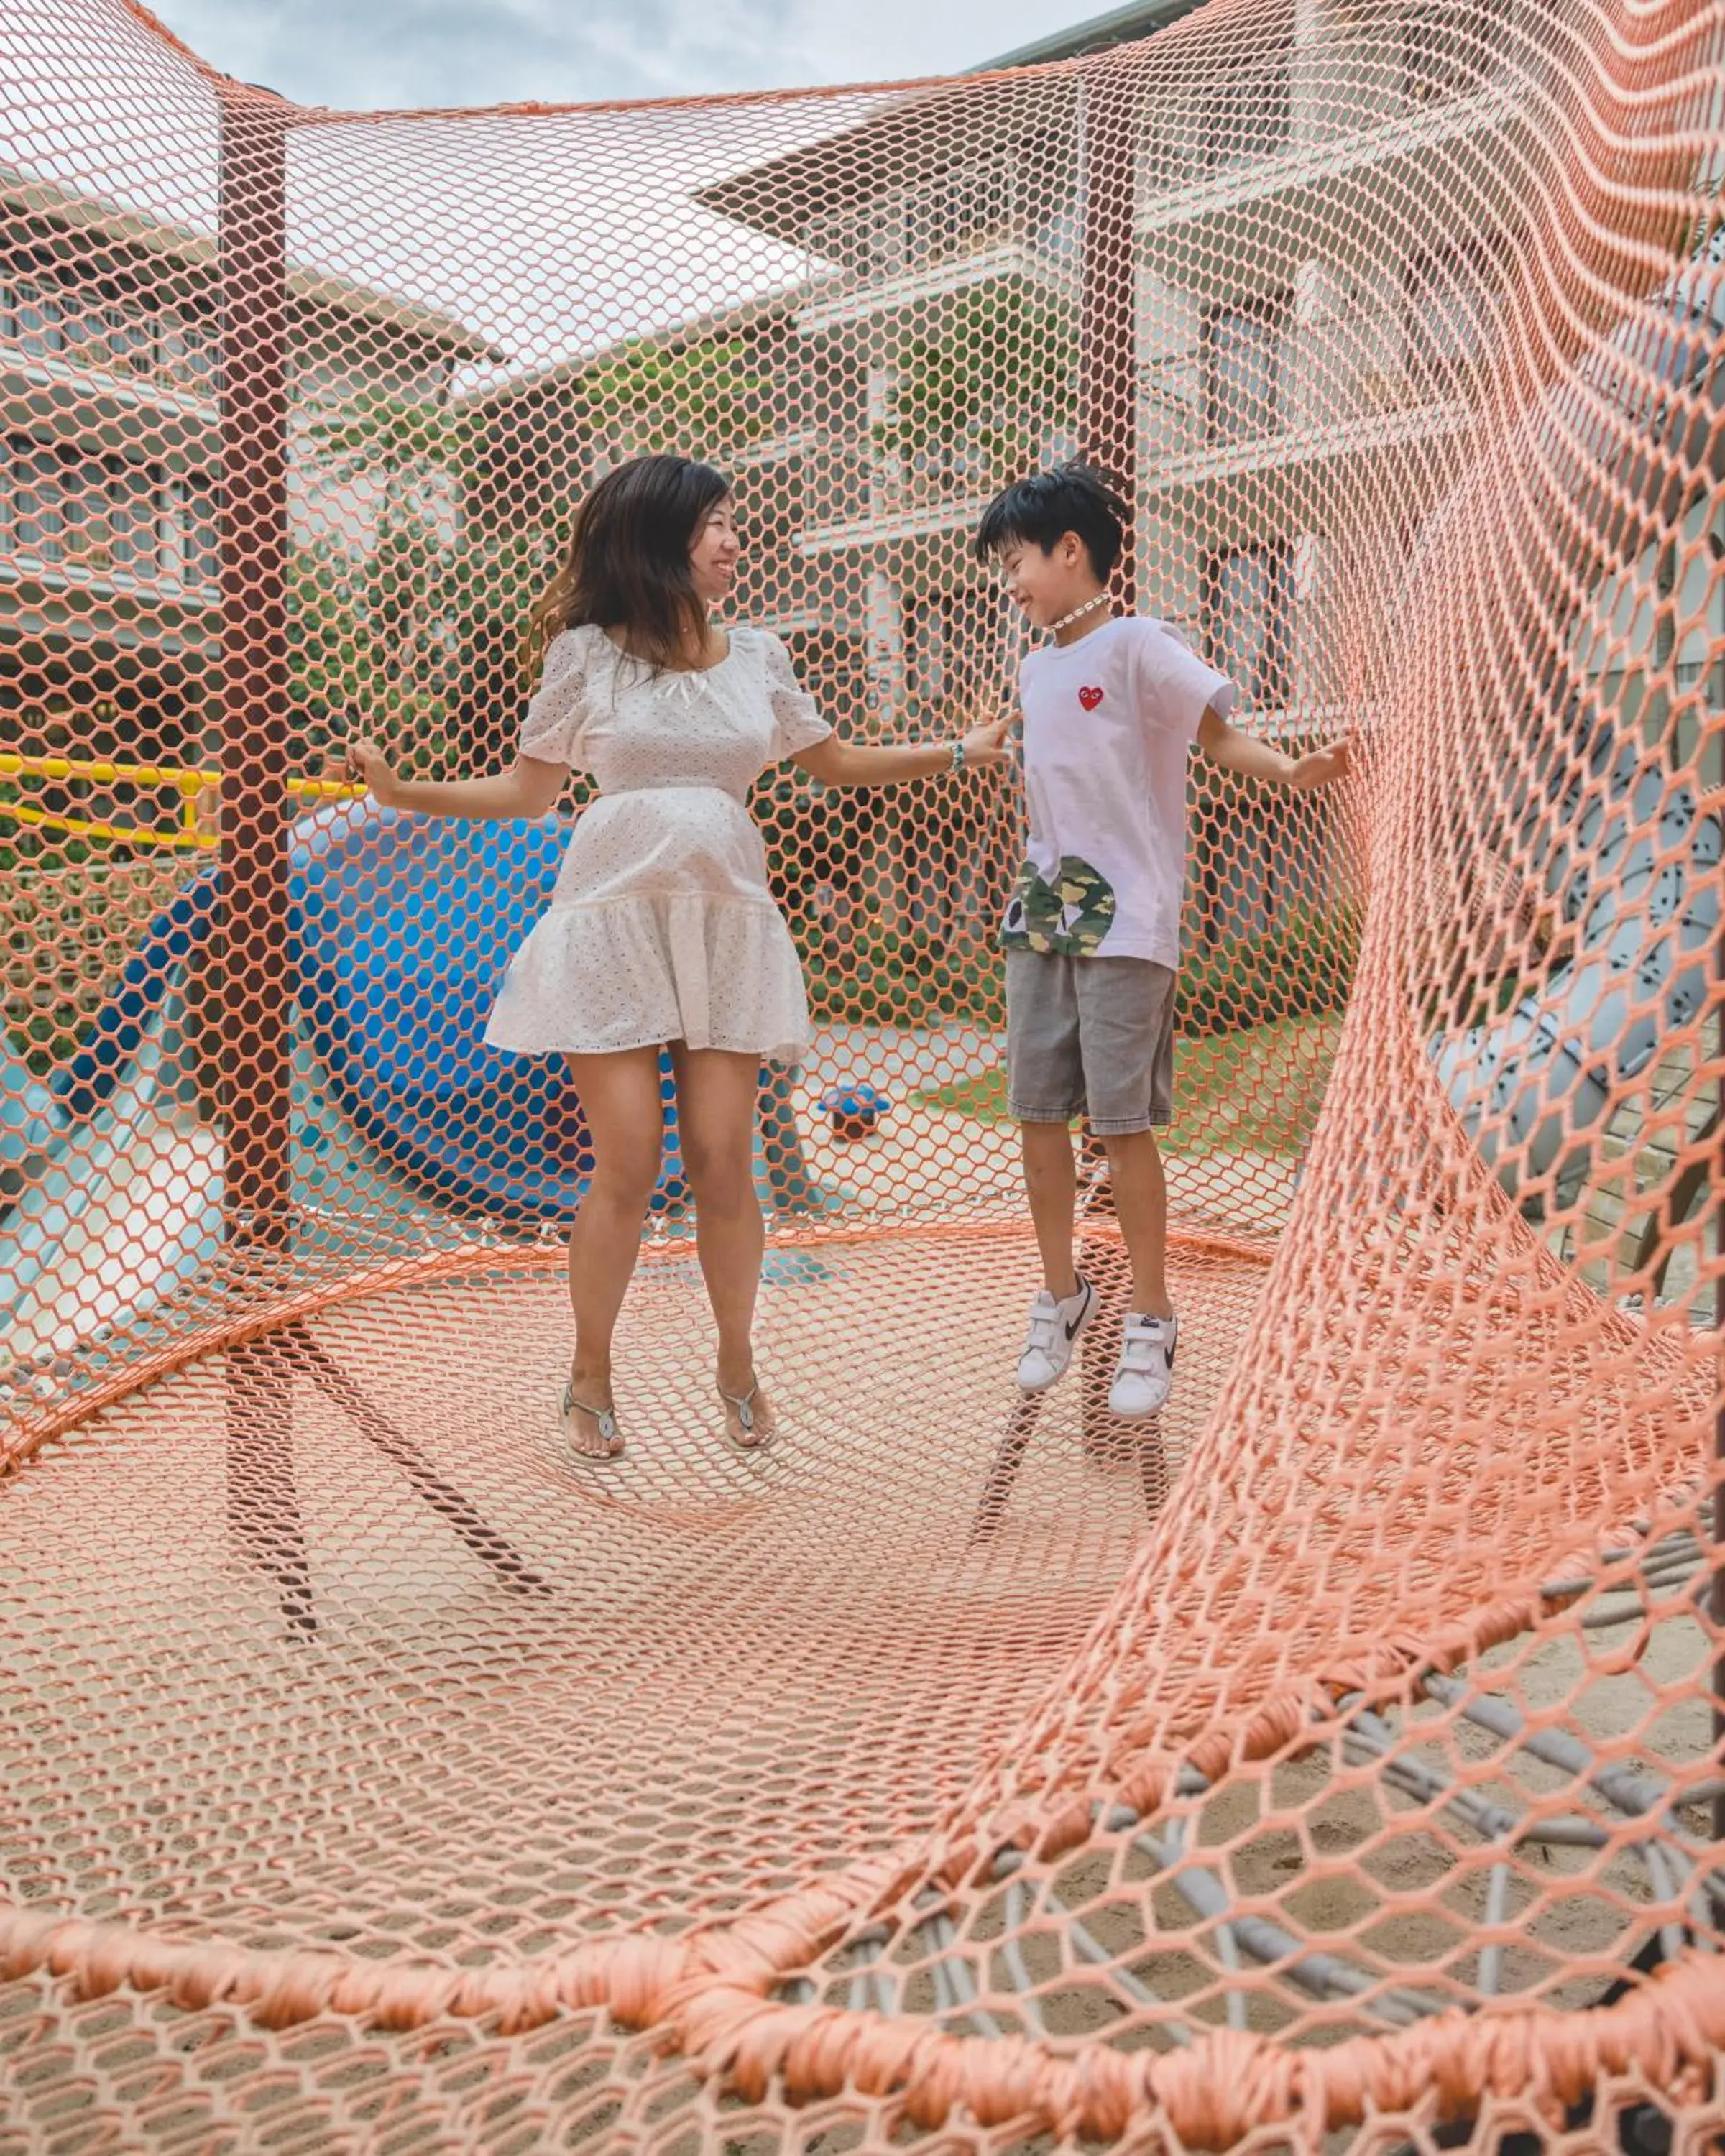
[{"x": 1092, "y": 929}]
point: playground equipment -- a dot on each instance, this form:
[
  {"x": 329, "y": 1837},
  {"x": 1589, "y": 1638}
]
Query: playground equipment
[
  {"x": 117, "y": 1179},
  {"x": 854, "y": 1109},
  {"x": 1333, "y": 1764}
]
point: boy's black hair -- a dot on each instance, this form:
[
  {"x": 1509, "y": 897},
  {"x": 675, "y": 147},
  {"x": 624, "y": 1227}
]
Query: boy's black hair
[{"x": 1038, "y": 511}]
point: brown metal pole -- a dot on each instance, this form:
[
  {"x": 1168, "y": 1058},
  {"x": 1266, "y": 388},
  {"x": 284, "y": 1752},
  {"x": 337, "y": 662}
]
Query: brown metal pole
[
  {"x": 256, "y": 986},
  {"x": 1107, "y": 324}
]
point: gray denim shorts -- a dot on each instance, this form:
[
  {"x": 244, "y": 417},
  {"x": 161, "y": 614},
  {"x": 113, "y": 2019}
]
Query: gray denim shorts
[{"x": 1092, "y": 1036}]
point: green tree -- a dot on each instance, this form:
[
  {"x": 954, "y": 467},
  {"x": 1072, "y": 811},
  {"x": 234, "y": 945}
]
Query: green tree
[
  {"x": 714, "y": 392},
  {"x": 372, "y": 634},
  {"x": 398, "y": 440},
  {"x": 981, "y": 388},
  {"x": 343, "y": 672},
  {"x": 490, "y": 582}
]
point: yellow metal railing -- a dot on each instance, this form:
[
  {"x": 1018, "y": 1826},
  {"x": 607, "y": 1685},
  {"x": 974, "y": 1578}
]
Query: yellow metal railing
[{"x": 193, "y": 787}]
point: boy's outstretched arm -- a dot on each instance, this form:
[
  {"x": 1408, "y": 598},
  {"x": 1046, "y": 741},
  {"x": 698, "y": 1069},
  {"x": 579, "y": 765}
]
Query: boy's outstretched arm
[
  {"x": 1253, "y": 759},
  {"x": 834, "y": 762}
]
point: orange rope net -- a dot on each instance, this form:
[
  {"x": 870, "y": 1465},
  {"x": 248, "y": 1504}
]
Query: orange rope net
[{"x": 1331, "y": 1761}]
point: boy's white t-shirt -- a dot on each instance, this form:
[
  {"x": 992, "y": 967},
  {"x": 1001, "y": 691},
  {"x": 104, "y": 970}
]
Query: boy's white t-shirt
[{"x": 1109, "y": 721}]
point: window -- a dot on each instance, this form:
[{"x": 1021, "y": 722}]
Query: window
[
  {"x": 1447, "y": 51},
  {"x": 1246, "y": 112},
  {"x": 1451, "y": 299},
  {"x": 108, "y": 332},
  {"x": 963, "y": 210},
  {"x": 189, "y": 353},
  {"x": 92, "y": 503},
  {"x": 88, "y": 325},
  {"x": 948, "y": 213},
  {"x": 1248, "y": 621},
  {"x": 86, "y": 538},
  {"x": 195, "y": 542},
  {"x": 99, "y": 514},
  {"x": 842, "y": 241},
  {"x": 134, "y": 521},
  {"x": 38, "y": 502},
  {"x": 32, "y": 315},
  {"x": 131, "y": 328},
  {"x": 1242, "y": 370}
]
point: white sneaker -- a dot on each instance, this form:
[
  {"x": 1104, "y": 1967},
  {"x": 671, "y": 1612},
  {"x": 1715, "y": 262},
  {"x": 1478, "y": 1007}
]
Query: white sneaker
[
  {"x": 1055, "y": 1327},
  {"x": 1144, "y": 1375}
]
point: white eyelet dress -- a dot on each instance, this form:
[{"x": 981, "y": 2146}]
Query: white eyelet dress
[{"x": 661, "y": 926}]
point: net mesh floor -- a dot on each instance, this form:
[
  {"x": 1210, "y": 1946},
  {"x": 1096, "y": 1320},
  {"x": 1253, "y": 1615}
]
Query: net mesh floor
[{"x": 1331, "y": 1761}]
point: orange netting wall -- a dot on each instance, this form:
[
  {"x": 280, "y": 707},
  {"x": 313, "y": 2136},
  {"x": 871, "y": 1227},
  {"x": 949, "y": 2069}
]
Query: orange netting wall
[{"x": 1331, "y": 1761}]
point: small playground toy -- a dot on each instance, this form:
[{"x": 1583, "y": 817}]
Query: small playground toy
[{"x": 853, "y": 1111}]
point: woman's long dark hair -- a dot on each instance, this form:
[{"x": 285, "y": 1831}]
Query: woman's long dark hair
[{"x": 628, "y": 563}]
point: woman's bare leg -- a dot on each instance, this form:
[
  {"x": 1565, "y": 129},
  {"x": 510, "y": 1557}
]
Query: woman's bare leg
[
  {"x": 619, "y": 1097},
  {"x": 717, "y": 1093}
]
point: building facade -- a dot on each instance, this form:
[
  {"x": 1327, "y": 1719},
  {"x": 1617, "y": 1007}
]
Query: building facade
[
  {"x": 1306, "y": 348},
  {"x": 110, "y": 460},
  {"x": 1295, "y": 352}
]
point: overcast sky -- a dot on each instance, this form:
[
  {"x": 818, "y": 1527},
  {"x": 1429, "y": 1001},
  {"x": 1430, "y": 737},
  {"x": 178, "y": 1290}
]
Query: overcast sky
[
  {"x": 549, "y": 236},
  {"x": 393, "y": 53}
]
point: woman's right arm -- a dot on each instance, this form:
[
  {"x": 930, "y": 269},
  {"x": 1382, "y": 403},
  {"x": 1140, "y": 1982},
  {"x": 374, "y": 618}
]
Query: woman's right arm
[
  {"x": 551, "y": 724},
  {"x": 530, "y": 790}
]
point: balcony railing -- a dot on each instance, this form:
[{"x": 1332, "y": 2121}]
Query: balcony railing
[
  {"x": 1008, "y": 259},
  {"x": 105, "y": 520},
  {"x": 128, "y": 339},
  {"x": 866, "y": 494},
  {"x": 1314, "y": 378},
  {"x": 1235, "y": 117},
  {"x": 864, "y": 501},
  {"x": 1376, "y": 69},
  {"x": 910, "y": 228}
]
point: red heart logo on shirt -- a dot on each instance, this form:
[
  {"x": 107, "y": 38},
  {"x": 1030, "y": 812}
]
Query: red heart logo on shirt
[{"x": 1090, "y": 698}]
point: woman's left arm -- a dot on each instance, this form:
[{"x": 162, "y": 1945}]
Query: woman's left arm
[
  {"x": 834, "y": 762},
  {"x": 1253, "y": 759}
]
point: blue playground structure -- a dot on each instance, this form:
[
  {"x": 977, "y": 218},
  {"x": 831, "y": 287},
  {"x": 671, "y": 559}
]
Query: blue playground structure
[{"x": 401, "y": 928}]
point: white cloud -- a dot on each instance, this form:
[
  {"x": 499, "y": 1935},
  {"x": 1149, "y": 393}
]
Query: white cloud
[
  {"x": 545, "y": 234},
  {"x": 396, "y": 52}
]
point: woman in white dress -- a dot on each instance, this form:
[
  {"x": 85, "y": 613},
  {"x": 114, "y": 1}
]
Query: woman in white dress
[{"x": 661, "y": 930}]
